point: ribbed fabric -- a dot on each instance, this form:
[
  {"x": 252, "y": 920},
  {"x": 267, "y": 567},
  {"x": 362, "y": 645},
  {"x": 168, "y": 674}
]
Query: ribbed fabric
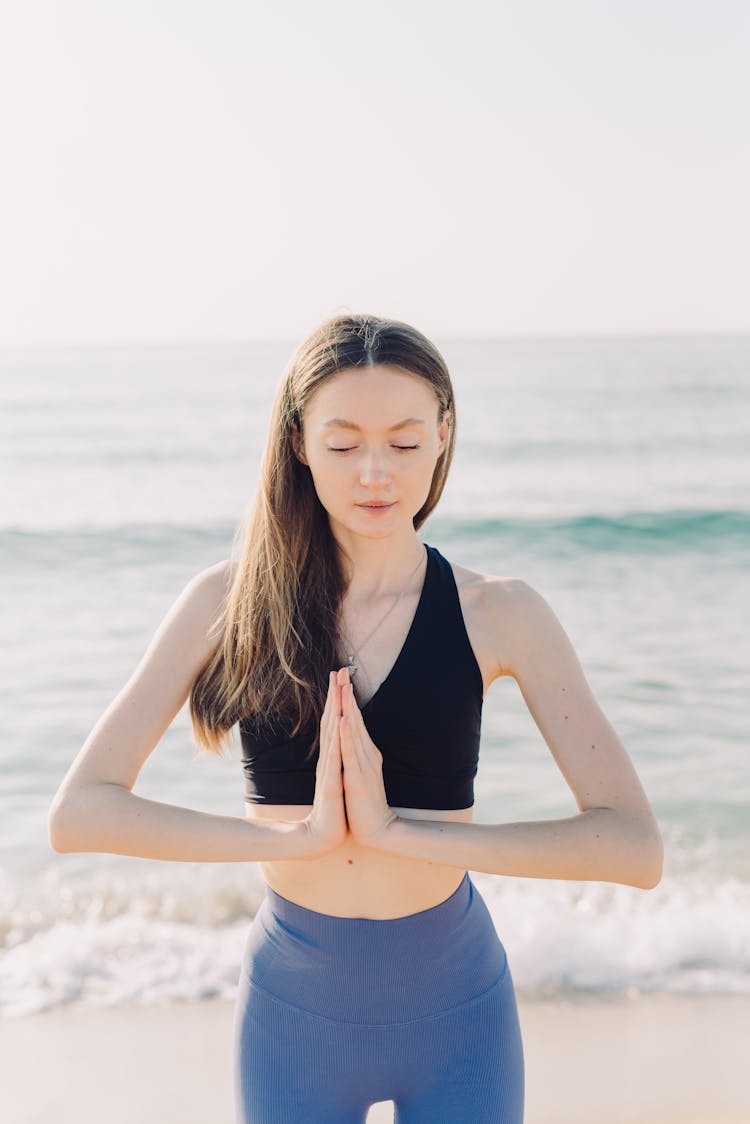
[
  {"x": 425, "y": 717},
  {"x": 336, "y": 1013}
]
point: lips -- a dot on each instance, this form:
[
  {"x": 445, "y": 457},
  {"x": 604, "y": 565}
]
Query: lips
[{"x": 376, "y": 504}]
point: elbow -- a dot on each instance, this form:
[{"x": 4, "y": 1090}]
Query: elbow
[
  {"x": 639, "y": 852},
  {"x": 56, "y": 828},
  {"x": 651, "y": 865},
  {"x": 81, "y": 817},
  {"x": 654, "y": 870},
  {"x": 64, "y": 821}
]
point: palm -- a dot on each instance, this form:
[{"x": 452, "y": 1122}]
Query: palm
[
  {"x": 367, "y": 809},
  {"x": 327, "y": 822}
]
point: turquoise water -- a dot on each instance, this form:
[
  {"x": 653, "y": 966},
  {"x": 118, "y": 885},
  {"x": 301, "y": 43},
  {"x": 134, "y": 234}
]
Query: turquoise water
[{"x": 611, "y": 474}]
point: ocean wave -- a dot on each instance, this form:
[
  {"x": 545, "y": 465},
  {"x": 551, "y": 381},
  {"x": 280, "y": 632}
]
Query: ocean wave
[
  {"x": 119, "y": 543},
  {"x": 673, "y": 529},
  {"x": 633, "y": 531},
  {"x": 110, "y": 939}
]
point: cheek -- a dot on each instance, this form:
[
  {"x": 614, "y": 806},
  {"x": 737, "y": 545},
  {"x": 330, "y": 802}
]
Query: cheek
[{"x": 328, "y": 476}]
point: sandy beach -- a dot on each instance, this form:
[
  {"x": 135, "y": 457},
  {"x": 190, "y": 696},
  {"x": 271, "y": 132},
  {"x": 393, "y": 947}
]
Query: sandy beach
[{"x": 660, "y": 1060}]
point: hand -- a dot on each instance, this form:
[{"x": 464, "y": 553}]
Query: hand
[
  {"x": 367, "y": 807},
  {"x": 326, "y": 823}
]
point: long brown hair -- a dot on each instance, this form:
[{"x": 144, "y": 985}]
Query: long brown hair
[{"x": 277, "y": 629}]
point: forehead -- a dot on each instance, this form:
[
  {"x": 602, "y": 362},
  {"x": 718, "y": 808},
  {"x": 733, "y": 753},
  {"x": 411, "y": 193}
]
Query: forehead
[{"x": 372, "y": 396}]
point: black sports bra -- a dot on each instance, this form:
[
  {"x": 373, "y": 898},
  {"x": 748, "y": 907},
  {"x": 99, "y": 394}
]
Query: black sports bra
[{"x": 425, "y": 717}]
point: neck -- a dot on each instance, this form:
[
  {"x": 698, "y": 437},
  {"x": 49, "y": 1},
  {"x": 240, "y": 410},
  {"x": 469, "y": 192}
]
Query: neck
[{"x": 380, "y": 567}]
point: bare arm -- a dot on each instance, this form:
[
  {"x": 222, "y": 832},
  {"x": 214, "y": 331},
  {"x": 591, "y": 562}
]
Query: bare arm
[
  {"x": 615, "y": 837},
  {"x": 95, "y": 808},
  {"x": 595, "y": 845}
]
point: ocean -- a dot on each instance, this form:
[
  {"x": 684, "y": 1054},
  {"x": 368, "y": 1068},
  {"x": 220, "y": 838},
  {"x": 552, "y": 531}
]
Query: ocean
[{"x": 611, "y": 473}]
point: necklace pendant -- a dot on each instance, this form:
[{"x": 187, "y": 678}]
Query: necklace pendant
[{"x": 351, "y": 666}]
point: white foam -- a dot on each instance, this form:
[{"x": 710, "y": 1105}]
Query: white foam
[{"x": 108, "y": 937}]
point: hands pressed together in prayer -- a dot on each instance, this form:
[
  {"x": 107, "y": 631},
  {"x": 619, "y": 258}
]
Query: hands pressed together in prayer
[{"x": 349, "y": 791}]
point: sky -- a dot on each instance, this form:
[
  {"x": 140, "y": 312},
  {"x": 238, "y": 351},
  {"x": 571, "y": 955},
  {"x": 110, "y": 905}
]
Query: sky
[{"x": 175, "y": 171}]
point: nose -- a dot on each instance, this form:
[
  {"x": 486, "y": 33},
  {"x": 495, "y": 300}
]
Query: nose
[{"x": 373, "y": 468}]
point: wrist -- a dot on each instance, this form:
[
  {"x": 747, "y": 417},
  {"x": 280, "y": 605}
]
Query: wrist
[
  {"x": 431, "y": 840},
  {"x": 310, "y": 845},
  {"x": 387, "y": 839},
  {"x": 314, "y": 846},
  {"x": 281, "y": 839}
]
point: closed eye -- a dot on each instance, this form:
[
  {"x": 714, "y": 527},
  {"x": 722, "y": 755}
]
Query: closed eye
[{"x": 402, "y": 448}]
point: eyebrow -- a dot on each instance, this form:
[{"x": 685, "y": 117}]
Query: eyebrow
[{"x": 342, "y": 423}]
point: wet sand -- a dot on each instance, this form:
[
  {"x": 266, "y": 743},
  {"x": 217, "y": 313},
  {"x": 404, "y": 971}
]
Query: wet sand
[{"x": 660, "y": 1060}]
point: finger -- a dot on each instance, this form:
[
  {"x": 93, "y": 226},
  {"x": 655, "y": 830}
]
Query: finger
[
  {"x": 331, "y": 777},
  {"x": 350, "y": 747},
  {"x": 335, "y": 715},
  {"x": 359, "y": 720},
  {"x": 352, "y": 707},
  {"x": 326, "y": 715},
  {"x": 346, "y": 708},
  {"x": 355, "y": 722},
  {"x": 360, "y": 734},
  {"x": 334, "y": 694},
  {"x": 346, "y": 747},
  {"x": 345, "y": 741},
  {"x": 322, "y": 745},
  {"x": 328, "y": 733},
  {"x": 333, "y": 753}
]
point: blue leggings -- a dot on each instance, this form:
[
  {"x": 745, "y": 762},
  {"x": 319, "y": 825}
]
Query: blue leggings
[{"x": 336, "y": 1013}]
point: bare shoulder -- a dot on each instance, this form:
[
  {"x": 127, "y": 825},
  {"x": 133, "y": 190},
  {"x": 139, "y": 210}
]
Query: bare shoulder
[
  {"x": 198, "y": 610},
  {"x": 525, "y": 626},
  {"x": 489, "y": 604},
  {"x": 216, "y": 581},
  {"x": 209, "y": 589}
]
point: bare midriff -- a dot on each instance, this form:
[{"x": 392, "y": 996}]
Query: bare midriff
[{"x": 357, "y": 881}]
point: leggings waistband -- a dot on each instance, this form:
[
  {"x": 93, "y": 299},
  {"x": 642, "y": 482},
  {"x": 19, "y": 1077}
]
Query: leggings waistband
[{"x": 366, "y": 970}]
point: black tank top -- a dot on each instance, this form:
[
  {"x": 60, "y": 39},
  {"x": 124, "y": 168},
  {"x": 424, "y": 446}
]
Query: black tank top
[{"x": 425, "y": 717}]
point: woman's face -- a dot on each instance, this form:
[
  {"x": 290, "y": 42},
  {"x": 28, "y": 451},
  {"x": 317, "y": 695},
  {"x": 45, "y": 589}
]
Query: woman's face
[{"x": 371, "y": 435}]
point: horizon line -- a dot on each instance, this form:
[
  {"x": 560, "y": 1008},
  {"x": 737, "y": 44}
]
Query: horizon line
[{"x": 292, "y": 341}]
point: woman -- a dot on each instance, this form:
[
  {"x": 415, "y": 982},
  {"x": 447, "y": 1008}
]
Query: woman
[{"x": 355, "y": 659}]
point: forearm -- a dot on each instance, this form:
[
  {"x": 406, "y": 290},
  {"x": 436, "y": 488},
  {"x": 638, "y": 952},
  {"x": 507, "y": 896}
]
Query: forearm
[
  {"x": 110, "y": 818},
  {"x": 598, "y": 845}
]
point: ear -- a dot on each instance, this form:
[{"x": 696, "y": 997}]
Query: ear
[
  {"x": 298, "y": 444},
  {"x": 443, "y": 431}
]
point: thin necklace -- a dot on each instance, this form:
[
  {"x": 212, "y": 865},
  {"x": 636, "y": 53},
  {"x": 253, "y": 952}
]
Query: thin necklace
[{"x": 352, "y": 666}]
